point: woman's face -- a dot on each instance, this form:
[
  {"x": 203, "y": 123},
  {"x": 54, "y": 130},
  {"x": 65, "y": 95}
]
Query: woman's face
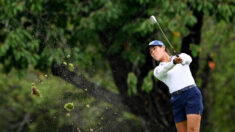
[{"x": 157, "y": 52}]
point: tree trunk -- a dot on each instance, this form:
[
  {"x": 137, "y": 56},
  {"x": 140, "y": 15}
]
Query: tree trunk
[
  {"x": 194, "y": 37},
  {"x": 154, "y": 107},
  {"x": 205, "y": 75}
]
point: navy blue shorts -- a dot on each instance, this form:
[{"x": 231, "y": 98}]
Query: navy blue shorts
[{"x": 187, "y": 102}]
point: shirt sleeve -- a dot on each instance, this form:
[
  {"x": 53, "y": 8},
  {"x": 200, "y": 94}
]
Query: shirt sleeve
[
  {"x": 186, "y": 58},
  {"x": 161, "y": 70}
]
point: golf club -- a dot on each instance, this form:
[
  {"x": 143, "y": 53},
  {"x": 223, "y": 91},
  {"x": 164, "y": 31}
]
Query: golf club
[{"x": 154, "y": 20}]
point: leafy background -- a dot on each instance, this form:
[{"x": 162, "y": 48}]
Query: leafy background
[{"x": 86, "y": 37}]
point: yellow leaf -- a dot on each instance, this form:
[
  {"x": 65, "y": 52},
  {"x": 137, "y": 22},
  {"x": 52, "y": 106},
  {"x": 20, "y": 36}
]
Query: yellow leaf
[{"x": 176, "y": 34}]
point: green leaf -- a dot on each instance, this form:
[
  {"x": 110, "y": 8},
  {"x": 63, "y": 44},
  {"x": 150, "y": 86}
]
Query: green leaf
[
  {"x": 132, "y": 84},
  {"x": 148, "y": 82},
  {"x": 195, "y": 49}
]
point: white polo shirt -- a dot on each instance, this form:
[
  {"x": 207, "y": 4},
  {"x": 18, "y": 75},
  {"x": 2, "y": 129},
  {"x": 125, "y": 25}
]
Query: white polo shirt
[{"x": 175, "y": 76}]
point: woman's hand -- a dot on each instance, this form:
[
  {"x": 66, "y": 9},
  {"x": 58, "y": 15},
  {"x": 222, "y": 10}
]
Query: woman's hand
[{"x": 177, "y": 60}]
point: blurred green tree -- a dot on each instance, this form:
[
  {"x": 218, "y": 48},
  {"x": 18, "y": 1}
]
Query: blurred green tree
[{"x": 42, "y": 33}]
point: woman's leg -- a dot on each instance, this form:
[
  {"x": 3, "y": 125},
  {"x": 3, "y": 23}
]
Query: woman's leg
[
  {"x": 193, "y": 122},
  {"x": 181, "y": 126}
]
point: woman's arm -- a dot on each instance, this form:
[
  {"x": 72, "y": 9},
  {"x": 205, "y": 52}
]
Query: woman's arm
[
  {"x": 186, "y": 58},
  {"x": 161, "y": 70}
]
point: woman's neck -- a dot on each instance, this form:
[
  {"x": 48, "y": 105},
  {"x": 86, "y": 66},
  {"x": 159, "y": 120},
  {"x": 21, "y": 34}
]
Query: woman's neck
[{"x": 166, "y": 58}]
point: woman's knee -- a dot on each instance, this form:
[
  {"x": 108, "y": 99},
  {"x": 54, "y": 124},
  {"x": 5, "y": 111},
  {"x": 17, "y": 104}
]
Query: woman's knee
[{"x": 192, "y": 129}]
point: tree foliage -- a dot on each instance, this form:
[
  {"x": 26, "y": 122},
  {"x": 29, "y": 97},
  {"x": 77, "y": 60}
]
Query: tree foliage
[
  {"x": 49, "y": 30},
  {"x": 110, "y": 35}
]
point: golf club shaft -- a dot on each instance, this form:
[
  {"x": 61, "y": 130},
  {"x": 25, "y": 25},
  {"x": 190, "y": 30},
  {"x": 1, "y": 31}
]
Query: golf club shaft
[
  {"x": 165, "y": 36},
  {"x": 172, "y": 48}
]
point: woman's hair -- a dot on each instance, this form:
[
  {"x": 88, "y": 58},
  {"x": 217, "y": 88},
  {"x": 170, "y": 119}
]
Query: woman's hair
[{"x": 167, "y": 51}]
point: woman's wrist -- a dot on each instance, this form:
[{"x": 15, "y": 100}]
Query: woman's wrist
[{"x": 174, "y": 62}]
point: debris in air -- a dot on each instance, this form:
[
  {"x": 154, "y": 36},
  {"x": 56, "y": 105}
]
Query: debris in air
[
  {"x": 78, "y": 129},
  {"x": 88, "y": 106},
  {"x": 68, "y": 114},
  {"x": 69, "y": 106},
  {"x": 35, "y": 91},
  {"x": 71, "y": 67}
]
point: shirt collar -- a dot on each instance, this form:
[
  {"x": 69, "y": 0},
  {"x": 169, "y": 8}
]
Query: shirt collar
[{"x": 162, "y": 63}]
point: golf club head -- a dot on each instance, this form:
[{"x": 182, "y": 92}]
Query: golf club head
[{"x": 153, "y": 19}]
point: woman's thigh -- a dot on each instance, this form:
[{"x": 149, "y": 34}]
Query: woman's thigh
[
  {"x": 193, "y": 122},
  {"x": 181, "y": 126}
]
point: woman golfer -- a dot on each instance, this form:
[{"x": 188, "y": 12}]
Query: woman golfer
[{"x": 186, "y": 98}]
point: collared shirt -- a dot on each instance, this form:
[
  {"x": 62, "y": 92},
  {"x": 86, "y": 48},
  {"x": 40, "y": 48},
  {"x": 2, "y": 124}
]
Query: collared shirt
[{"x": 175, "y": 76}]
